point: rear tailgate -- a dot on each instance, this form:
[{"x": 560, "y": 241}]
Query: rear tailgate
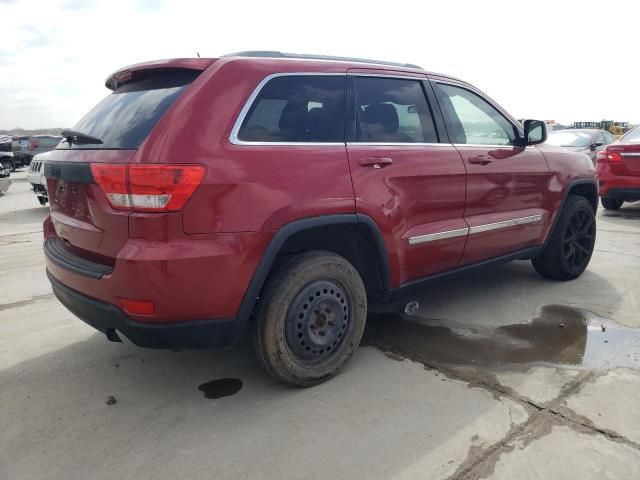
[
  {"x": 86, "y": 221},
  {"x": 80, "y": 212}
]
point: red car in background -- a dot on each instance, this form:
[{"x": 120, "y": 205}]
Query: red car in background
[{"x": 618, "y": 171}]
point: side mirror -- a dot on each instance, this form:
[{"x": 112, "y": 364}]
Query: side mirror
[{"x": 535, "y": 132}]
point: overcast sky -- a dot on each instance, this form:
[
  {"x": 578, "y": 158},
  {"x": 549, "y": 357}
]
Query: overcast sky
[{"x": 544, "y": 59}]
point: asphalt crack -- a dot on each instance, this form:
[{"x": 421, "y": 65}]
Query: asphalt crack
[{"x": 480, "y": 462}]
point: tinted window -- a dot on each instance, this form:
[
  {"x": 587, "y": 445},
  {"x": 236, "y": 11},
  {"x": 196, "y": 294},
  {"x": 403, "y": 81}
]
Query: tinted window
[
  {"x": 471, "y": 119},
  {"x": 567, "y": 138},
  {"x": 598, "y": 138},
  {"x": 5, "y": 147},
  {"x": 632, "y": 136},
  {"x": 123, "y": 119},
  {"x": 391, "y": 110},
  {"x": 297, "y": 108}
]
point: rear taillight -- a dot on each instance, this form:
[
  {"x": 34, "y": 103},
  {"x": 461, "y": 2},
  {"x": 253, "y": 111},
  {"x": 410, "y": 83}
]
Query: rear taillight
[
  {"x": 605, "y": 156},
  {"x": 147, "y": 188}
]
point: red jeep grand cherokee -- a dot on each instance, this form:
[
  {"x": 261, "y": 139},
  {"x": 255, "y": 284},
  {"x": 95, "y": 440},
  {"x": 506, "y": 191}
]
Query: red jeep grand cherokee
[
  {"x": 296, "y": 190},
  {"x": 618, "y": 171}
]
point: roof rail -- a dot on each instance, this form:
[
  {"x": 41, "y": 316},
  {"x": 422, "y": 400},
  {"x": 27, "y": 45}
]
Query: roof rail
[{"x": 276, "y": 54}]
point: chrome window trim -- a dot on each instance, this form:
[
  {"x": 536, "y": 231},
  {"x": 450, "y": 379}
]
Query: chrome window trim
[
  {"x": 432, "y": 237},
  {"x": 419, "y": 77},
  {"x": 233, "y": 137},
  {"x": 505, "y": 224},
  {"x": 391, "y": 144},
  {"x": 485, "y": 145}
]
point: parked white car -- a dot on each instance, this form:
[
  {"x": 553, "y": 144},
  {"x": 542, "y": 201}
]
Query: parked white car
[{"x": 35, "y": 176}]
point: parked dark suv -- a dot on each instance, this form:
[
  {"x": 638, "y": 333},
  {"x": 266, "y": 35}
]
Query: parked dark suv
[{"x": 296, "y": 191}]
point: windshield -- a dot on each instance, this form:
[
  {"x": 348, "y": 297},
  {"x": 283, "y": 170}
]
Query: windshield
[
  {"x": 632, "y": 136},
  {"x": 569, "y": 139},
  {"x": 123, "y": 119}
]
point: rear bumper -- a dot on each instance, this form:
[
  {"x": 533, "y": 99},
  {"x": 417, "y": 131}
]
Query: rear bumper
[
  {"x": 623, "y": 193},
  {"x": 612, "y": 185},
  {"x": 187, "y": 279},
  {"x": 36, "y": 179},
  {"x": 112, "y": 321}
]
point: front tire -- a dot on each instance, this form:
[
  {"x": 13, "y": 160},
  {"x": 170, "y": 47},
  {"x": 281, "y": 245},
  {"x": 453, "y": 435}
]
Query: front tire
[
  {"x": 569, "y": 249},
  {"x": 611, "y": 203},
  {"x": 310, "y": 318}
]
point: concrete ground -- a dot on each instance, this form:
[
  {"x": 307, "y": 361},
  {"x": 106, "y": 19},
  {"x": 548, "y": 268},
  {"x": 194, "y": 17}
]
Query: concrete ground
[{"x": 500, "y": 375}]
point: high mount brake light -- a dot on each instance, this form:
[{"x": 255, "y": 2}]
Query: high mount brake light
[{"x": 147, "y": 188}]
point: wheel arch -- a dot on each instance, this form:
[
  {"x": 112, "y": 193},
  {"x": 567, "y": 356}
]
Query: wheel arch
[
  {"x": 353, "y": 236},
  {"x": 586, "y": 187}
]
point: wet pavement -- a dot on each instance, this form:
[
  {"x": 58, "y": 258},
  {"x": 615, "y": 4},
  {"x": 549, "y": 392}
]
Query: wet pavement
[
  {"x": 559, "y": 336},
  {"x": 500, "y": 374}
]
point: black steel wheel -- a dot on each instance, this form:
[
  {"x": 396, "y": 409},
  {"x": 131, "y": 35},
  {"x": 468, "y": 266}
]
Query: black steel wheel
[
  {"x": 310, "y": 318},
  {"x": 317, "y": 321},
  {"x": 570, "y": 246}
]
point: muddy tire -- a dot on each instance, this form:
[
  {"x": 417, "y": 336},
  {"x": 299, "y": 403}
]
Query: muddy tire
[
  {"x": 310, "y": 318},
  {"x": 568, "y": 250},
  {"x": 611, "y": 203}
]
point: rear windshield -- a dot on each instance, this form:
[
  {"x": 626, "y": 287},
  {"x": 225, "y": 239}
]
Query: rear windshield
[
  {"x": 123, "y": 119},
  {"x": 633, "y": 136}
]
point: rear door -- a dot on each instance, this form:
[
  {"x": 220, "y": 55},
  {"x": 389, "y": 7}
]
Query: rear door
[
  {"x": 405, "y": 179},
  {"x": 506, "y": 184},
  {"x": 81, "y": 213}
]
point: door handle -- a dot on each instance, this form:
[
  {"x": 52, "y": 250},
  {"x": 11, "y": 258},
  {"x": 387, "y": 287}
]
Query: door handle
[
  {"x": 480, "y": 159},
  {"x": 375, "y": 162}
]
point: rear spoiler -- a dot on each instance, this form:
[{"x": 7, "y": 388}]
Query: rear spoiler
[{"x": 140, "y": 70}]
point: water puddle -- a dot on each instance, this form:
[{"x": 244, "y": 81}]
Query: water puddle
[
  {"x": 222, "y": 387},
  {"x": 560, "y": 335}
]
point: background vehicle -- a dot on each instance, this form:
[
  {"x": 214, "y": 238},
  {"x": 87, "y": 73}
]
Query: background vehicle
[
  {"x": 25, "y": 148},
  {"x": 5, "y": 180},
  {"x": 6, "y": 154},
  {"x": 618, "y": 171},
  {"x": 35, "y": 176},
  {"x": 296, "y": 190},
  {"x": 587, "y": 141}
]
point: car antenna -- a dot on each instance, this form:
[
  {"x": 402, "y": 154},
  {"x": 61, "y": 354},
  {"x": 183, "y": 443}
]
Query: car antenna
[{"x": 198, "y": 53}]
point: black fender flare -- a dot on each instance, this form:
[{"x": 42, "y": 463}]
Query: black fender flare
[
  {"x": 268, "y": 258},
  {"x": 565, "y": 195}
]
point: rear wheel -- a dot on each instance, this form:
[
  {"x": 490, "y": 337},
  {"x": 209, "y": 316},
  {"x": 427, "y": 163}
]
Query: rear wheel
[
  {"x": 568, "y": 250},
  {"x": 8, "y": 164},
  {"x": 310, "y": 318},
  {"x": 611, "y": 203}
]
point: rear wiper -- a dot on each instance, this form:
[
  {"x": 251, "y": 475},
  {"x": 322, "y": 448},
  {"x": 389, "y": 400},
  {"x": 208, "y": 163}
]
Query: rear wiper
[{"x": 79, "y": 138}]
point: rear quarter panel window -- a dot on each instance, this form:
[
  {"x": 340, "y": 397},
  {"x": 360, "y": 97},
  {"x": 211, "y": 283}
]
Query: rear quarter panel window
[{"x": 297, "y": 109}]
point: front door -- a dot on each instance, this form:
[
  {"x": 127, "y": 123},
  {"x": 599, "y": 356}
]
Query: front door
[
  {"x": 412, "y": 185},
  {"x": 506, "y": 183}
]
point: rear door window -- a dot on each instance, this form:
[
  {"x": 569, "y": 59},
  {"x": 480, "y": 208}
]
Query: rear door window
[
  {"x": 471, "y": 119},
  {"x": 296, "y": 109},
  {"x": 392, "y": 110},
  {"x": 123, "y": 119}
]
